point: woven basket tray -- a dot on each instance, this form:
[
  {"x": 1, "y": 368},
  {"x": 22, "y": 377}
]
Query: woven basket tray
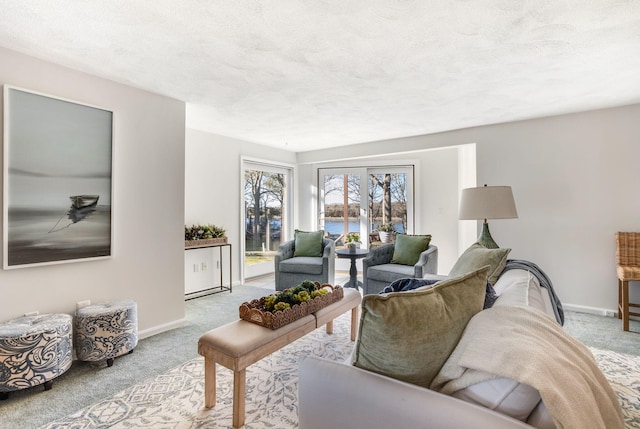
[
  {"x": 206, "y": 242},
  {"x": 255, "y": 311}
]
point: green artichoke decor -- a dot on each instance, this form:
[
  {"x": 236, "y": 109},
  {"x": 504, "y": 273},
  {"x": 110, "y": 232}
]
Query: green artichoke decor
[{"x": 305, "y": 291}]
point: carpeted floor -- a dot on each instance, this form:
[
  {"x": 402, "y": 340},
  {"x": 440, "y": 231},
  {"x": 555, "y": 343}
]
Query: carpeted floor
[
  {"x": 603, "y": 332},
  {"x": 86, "y": 382},
  {"x": 175, "y": 398},
  {"x": 89, "y": 383}
]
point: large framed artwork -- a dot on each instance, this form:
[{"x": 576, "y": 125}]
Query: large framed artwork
[{"x": 57, "y": 186}]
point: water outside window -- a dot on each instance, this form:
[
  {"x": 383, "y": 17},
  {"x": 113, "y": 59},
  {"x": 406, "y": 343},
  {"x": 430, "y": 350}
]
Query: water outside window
[
  {"x": 341, "y": 207},
  {"x": 388, "y": 201},
  {"x": 361, "y": 200}
]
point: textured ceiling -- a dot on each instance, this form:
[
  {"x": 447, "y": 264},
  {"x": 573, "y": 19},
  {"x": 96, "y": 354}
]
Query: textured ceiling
[{"x": 310, "y": 74}]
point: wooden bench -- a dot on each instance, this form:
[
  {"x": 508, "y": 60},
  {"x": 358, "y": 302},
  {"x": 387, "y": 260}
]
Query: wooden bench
[{"x": 240, "y": 344}]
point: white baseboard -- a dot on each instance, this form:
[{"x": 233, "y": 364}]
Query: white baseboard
[
  {"x": 161, "y": 328},
  {"x": 591, "y": 310}
]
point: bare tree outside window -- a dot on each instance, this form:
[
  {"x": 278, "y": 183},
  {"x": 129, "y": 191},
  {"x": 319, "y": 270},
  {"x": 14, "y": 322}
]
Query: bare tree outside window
[
  {"x": 386, "y": 193},
  {"x": 388, "y": 200},
  {"x": 341, "y": 212},
  {"x": 264, "y": 204}
]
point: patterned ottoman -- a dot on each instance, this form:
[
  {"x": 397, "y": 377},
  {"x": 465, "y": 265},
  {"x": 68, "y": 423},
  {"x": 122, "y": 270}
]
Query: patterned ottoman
[
  {"x": 106, "y": 330},
  {"x": 34, "y": 350}
]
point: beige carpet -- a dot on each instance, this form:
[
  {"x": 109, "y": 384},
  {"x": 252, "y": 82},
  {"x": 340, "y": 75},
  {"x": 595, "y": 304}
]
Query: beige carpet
[{"x": 175, "y": 399}]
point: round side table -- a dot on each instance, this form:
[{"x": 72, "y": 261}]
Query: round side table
[{"x": 353, "y": 271}]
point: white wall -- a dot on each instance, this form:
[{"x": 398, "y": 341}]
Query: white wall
[
  {"x": 213, "y": 183},
  {"x": 575, "y": 181},
  {"x": 438, "y": 210},
  {"x": 148, "y": 204}
]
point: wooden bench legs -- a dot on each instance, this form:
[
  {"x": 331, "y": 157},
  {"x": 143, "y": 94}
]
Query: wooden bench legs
[
  {"x": 209, "y": 383},
  {"x": 240, "y": 344},
  {"x": 354, "y": 324},
  {"x": 239, "y": 390}
]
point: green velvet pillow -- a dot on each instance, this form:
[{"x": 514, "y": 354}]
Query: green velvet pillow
[
  {"x": 408, "y": 248},
  {"x": 410, "y": 335},
  {"x": 478, "y": 256},
  {"x": 308, "y": 243}
]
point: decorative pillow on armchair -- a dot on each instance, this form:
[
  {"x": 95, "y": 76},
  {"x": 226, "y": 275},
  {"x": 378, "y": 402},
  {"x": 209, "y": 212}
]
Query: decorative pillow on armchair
[
  {"x": 408, "y": 248},
  {"x": 409, "y": 335},
  {"x": 478, "y": 256},
  {"x": 308, "y": 243}
]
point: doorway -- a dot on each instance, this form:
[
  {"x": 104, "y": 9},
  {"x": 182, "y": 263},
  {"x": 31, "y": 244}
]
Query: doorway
[
  {"x": 360, "y": 200},
  {"x": 266, "y": 214}
]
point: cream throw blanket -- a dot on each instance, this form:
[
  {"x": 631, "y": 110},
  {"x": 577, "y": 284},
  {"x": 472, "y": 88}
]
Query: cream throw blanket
[{"x": 526, "y": 345}]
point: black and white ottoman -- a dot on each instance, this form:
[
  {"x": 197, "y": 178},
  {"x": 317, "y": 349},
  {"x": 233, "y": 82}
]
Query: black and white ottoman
[
  {"x": 34, "y": 350},
  {"x": 106, "y": 330}
]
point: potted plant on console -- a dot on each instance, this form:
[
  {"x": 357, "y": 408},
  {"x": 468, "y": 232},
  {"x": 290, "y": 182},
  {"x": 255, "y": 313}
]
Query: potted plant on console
[{"x": 204, "y": 235}]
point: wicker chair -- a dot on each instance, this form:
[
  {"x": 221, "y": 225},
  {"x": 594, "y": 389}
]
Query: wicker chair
[{"x": 628, "y": 268}]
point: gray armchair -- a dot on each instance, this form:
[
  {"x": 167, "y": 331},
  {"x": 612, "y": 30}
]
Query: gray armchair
[
  {"x": 378, "y": 272},
  {"x": 292, "y": 271}
]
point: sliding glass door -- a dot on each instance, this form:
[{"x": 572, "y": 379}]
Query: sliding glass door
[
  {"x": 267, "y": 213},
  {"x": 359, "y": 200},
  {"x": 391, "y": 198},
  {"x": 343, "y": 198}
]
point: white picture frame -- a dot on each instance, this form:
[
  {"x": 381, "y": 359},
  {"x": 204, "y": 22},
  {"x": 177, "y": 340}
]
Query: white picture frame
[{"x": 57, "y": 180}]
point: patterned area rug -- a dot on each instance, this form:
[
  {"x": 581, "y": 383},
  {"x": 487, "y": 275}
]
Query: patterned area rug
[
  {"x": 623, "y": 373},
  {"x": 175, "y": 399}
]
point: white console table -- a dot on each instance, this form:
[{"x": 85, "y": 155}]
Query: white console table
[{"x": 222, "y": 287}]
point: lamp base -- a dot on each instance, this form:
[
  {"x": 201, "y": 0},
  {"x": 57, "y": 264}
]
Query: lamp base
[{"x": 485, "y": 237}]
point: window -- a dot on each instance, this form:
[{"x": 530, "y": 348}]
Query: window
[
  {"x": 358, "y": 200},
  {"x": 266, "y": 214}
]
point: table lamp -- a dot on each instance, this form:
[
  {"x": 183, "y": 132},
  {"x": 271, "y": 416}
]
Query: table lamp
[{"x": 487, "y": 202}]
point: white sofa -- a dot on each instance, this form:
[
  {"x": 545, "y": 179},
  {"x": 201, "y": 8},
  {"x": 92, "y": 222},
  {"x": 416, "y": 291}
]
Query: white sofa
[{"x": 337, "y": 394}]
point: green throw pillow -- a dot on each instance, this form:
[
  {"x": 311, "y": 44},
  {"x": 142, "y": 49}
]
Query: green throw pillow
[
  {"x": 408, "y": 248},
  {"x": 308, "y": 243},
  {"x": 478, "y": 256},
  {"x": 410, "y": 335}
]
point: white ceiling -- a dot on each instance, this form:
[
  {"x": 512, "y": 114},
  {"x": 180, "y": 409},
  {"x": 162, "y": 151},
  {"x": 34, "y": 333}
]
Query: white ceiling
[{"x": 312, "y": 74}]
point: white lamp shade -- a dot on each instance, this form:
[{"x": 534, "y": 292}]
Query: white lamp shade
[{"x": 487, "y": 202}]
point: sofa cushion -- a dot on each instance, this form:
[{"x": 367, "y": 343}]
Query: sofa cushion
[
  {"x": 308, "y": 243},
  {"x": 520, "y": 287},
  {"x": 503, "y": 395},
  {"x": 514, "y": 288},
  {"x": 390, "y": 272},
  {"x": 540, "y": 418},
  {"x": 408, "y": 248},
  {"x": 302, "y": 265},
  {"x": 409, "y": 335},
  {"x": 478, "y": 256}
]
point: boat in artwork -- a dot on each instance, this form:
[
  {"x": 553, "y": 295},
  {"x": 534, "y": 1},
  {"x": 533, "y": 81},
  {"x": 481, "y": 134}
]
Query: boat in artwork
[
  {"x": 82, "y": 201},
  {"x": 82, "y": 206}
]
